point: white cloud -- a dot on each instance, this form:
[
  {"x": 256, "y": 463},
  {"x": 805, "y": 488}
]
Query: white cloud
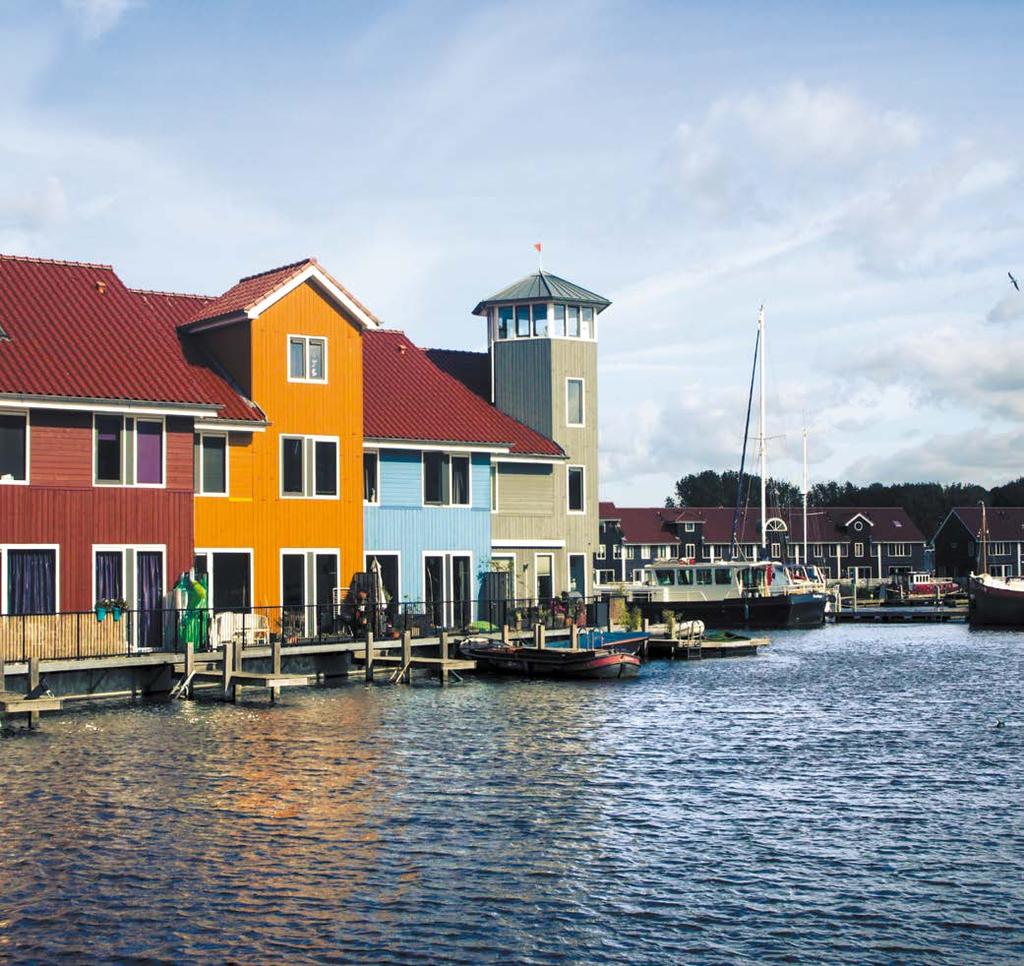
[
  {"x": 96, "y": 17},
  {"x": 1008, "y": 308}
]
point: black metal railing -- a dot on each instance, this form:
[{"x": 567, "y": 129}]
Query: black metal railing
[{"x": 78, "y": 635}]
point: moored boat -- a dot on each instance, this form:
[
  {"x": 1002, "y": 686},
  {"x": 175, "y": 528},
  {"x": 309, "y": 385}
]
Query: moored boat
[
  {"x": 995, "y": 602},
  {"x": 615, "y": 660}
]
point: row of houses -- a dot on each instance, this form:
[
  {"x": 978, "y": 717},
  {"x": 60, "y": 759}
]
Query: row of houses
[
  {"x": 277, "y": 438},
  {"x": 866, "y": 542}
]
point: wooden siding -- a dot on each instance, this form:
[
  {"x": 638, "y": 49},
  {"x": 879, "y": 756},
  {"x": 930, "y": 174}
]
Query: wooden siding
[
  {"x": 522, "y": 387},
  {"x": 401, "y": 524},
  {"x": 254, "y": 515}
]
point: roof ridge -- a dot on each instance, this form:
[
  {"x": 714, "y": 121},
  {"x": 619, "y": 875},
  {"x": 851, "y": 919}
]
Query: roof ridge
[
  {"x": 54, "y": 261},
  {"x": 156, "y": 291},
  {"x": 279, "y": 268}
]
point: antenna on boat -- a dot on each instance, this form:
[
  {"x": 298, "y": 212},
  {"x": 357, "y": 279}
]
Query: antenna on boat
[
  {"x": 805, "y": 496},
  {"x": 763, "y": 437}
]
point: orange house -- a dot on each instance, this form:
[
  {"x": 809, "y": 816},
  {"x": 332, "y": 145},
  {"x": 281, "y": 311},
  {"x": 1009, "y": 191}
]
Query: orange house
[{"x": 279, "y": 507}]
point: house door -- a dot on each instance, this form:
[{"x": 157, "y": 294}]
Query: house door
[
  {"x": 388, "y": 563},
  {"x": 228, "y": 576},
  {"x": 137, "y": 577},
  {"x": 150, "y": 597},
  {"x": 578, "y": 573},
  {"x": 308, "y": 579},
  {"x": 545, "y": 577},
  {"x": 448, "y": 589}
]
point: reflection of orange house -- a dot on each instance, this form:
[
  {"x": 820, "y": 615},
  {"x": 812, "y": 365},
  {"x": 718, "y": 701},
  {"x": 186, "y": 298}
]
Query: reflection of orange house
[{"x": 279, "y": 509}]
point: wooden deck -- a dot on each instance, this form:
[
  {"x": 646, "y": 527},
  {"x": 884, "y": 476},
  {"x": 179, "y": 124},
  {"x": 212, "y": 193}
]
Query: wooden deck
[
  {"x": 697, "y": 649},
  {"x": 917, "y": 614}
]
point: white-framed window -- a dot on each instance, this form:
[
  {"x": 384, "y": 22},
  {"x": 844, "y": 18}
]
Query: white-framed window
[
  {"x": 29, "y": 578},
  {"x": 634, "y": 552},
  {"x": 1001, "y": 570},
  {"x": 576, "y": 489},
  {"x": 691, "y": 551},
  {"x": 818, "y": 549},
  {"x": 558, "y": 316},
  {"x": 574, "y": 412},
  {"x": 689, "y": 527},
  {"x": 664, "y": 551},
  {"x": 505, "y": 321},
  {"x": 839, "y": 550},
  {"x": 128, "y": 451},
  {"x": 601, "y": 552},
  {"x": 523, "y": 329},
  {"x": 307, "y": 358},
  {"x": 616, "y": 551},
  {"x": 136, "y": 574},
  {"x": 898, "y": 549},
  {"x": 309, "y": 467},
  {"x": 308, "y": 578},
  {"x": 14, "y": 447},
  {"x": 645, "y": 551},
  {"x": 211, "y": 464},
  {"x": 858, "y": 548},
  {"x": 638, "y": 576},
  {"x": 446, "y": 479},
  {"x": 228, "y": 575},
  {"x": 604, "y": 576},
  {"x": 776, "y": 551},
  {"x": 572, "y": 321},
  {"x": 540, "y": 319},
  {"x": 371, "y": 477},
  {"x": 494, "y": 487},
  {"x": 998, "y": 549}
]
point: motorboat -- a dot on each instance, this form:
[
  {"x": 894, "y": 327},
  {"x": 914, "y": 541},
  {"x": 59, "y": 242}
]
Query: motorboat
[{"x": 615, "y": 658}]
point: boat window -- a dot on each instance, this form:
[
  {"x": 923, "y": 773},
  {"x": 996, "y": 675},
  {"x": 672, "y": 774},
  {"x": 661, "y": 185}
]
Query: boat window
[
  {"x": 686, "y": 578},
  {"x": 704, "y": 576},
  {"x": 723, "y": 577},
  {"x": 664, "y": 577}
]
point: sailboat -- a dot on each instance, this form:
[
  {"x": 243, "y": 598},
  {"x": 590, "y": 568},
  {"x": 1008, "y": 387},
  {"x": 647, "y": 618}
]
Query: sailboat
[
  {"x": 994, "y": 601},
  {"x": 736, "y": 592}
]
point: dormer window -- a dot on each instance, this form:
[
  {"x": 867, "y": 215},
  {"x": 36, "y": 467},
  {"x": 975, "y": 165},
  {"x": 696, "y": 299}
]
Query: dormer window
[{"x": 307, "y": 358}]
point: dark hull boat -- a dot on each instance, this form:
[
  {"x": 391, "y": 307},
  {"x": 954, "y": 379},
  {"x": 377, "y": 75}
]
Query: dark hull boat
[
  {"x": 616, "y": 660},
  {"x": 778, "y": 611},
  {"x": 996, "y": 603}
]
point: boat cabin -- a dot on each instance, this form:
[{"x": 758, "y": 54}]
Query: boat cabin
[{"x": 688, "y": 580}]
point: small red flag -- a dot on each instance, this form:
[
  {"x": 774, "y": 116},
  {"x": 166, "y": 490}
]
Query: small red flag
[{"x": 536, "y": 245}]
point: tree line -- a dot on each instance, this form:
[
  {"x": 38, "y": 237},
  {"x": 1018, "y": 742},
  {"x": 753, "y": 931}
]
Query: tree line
[{"x": 926, "y": 503}]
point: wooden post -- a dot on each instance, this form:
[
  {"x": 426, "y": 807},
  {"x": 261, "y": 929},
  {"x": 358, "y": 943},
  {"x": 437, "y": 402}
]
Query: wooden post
[
  {"x": 505, "y": 636},
  {"x": 369, "y": 655},
  {"x": 443, "y": 651},
  {"x": 237, "y": 666},
  {"x": 646, "y": 625},
  {"x": 275, "y": 667},
  {"x": 574, "y": 636},
  {"x": 3, "y": 685},
  {"x": 538, "y": 635},
  {"x": 33, "y": 683},
  {"x": 227, "y": 666},
  {"x": 190, "y": 666},
  {"x": 407, "y": 655}
]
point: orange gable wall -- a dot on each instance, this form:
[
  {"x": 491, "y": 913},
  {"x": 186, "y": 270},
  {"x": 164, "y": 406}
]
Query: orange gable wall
[{"x": 254, "y": 515}]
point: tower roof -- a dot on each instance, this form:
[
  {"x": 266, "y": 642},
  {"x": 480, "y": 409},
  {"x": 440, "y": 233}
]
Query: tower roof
[{"x": 541, "y": 286}]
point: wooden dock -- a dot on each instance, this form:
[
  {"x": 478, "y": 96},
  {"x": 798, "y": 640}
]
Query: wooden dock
[
  {"x": 915, "y": 614},
  {"x": 697, "y": 648},
  {"x": 12, "y": 703}
]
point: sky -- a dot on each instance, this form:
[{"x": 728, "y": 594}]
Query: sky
[{"x": 855, "y": 167}]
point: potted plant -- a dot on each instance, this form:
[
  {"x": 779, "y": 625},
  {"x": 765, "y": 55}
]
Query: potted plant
[
  {"x": 101, "y": 609},
  {"x": 117, "y": 607}
]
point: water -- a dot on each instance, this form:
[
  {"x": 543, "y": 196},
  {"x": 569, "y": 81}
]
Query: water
[{"x": 845, "y": 797}]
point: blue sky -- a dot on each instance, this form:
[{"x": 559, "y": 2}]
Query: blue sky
[{"x": 854, "y": 166}]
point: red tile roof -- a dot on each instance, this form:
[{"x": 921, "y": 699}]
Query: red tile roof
[
  {"x": 253, "y": 289},
  {"x": 407, "y": 397},
  {"x": 75, "y": 330},
  {"x": 608, "y": 511},
  {"x": 1002, "y": 522},
  {"x": 646, "y": 524}
]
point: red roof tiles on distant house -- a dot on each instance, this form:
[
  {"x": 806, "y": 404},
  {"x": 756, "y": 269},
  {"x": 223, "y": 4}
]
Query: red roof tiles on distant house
[
  {"x": 647, "y": 524},
  {"x": 407, "y": 397},
  {"x": 1002, "y": 523},
  {"x": 253, "y": 290},
  {"x": 75, "y": 331}
]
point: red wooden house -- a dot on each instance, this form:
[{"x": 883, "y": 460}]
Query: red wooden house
[{"x": 99, "y": 399}]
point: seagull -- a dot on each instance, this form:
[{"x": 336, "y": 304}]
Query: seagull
[{"x": 1014, "y": 281}]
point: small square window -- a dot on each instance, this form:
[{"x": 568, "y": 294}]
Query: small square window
[
  {"x": 576, "y": 490},
  {"x": 371, "y": 472},
  {"x": 307, "y": 359},
  {"x": 574, "y": 402}
]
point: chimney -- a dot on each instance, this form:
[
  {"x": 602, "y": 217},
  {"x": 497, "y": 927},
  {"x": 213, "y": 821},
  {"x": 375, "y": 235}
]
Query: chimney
[{"x": 101, "y": 286}]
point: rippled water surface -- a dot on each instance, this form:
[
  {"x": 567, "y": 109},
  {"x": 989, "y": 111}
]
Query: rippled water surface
[{"x": 846, "y": 797}]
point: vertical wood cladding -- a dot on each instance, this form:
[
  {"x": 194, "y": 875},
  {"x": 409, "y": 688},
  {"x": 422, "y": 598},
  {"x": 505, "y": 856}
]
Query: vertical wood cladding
[{"x": 254, "y": 515}]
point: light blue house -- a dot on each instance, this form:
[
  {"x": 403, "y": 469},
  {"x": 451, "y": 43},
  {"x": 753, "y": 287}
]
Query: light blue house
[{"x": 428, "y": 478}]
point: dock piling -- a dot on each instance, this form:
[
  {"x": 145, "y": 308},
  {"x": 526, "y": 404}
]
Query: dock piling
[
  {"x": 538, "y": 635},
  {"x": 406, "y": 675},
  {"x": 574, "y": 636},
  {"x": 33, "y": 683},
  {"x": 505, "y": 636},
  {"x": 369, "y": 657},
  {"x": 275, "y": 667}
]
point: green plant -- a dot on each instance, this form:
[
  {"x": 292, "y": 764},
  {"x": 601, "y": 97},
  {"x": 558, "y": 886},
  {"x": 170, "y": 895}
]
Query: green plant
[
  {"x": 633, "y": 619},
  {"x": 669, "y": 618}
]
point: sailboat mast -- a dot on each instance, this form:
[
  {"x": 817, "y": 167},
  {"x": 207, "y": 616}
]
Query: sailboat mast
[
  {"x": 764, "y": 437},
  {"x": 805, "y": 496}
]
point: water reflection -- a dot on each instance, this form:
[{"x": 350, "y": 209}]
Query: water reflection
[{"x": 845, "y": 797}]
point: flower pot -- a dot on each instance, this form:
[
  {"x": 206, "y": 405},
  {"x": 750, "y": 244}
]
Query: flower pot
[
  {"x": 117, "y": 613},
  {"x": 101, "y": 614}
]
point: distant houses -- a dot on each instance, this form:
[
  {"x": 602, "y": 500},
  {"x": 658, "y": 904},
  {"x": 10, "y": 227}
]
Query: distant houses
[
  {"x": 869, "y": 542},
  {"x": 958, "y": 542}
]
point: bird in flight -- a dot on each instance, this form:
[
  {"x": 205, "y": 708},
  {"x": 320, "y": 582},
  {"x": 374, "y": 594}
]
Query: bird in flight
[{"x": 1014, "y": 281}]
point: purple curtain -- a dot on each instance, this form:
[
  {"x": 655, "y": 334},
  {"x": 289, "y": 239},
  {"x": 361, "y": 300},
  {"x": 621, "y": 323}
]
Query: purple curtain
[
  {"x": 151, "y": 598},
  {"x": 149, "y": 438},
  {"x": 108, "y": 575},
  {"x": 31, "y": 581}
]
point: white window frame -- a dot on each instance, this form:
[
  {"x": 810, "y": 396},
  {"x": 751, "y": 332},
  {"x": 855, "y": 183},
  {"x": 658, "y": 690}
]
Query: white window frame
[
  {"x": 617, "y": 551},
  {"x": 305, "y": 339},
  {"x": 858, "y": 549},
  {"x": 998, "y": 548},
  {"x": 447, "y": 600},
  {"x": 645, "y": 551},
  {"x": 536, "y": 575},
  {"x": 638, "y": 576},
  {"x": 208, "y": 552},
  {"x": 897, "y": 550},
  {"x": 368, "y": 555},
  {"x": 583, "y": 490},
  {"x": 146, "y": 418},
  {"x": 494, "y": 481},
  {"x": 568, "y": 572},
  {"x": 5, "y": 547},
  {"x": 601, "y": 553},
  {"x": 689, "y": 527},
  {"x": 691, "y": 551},
  {"x": 375, "y": 453},
  {"x": 28, "y": 448},
  {"x": 308, "y": 484},
  {"x": 583, "y": 402},
  {"x": 452, "y": 455},
  {"x": 203, "y": 434}
]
